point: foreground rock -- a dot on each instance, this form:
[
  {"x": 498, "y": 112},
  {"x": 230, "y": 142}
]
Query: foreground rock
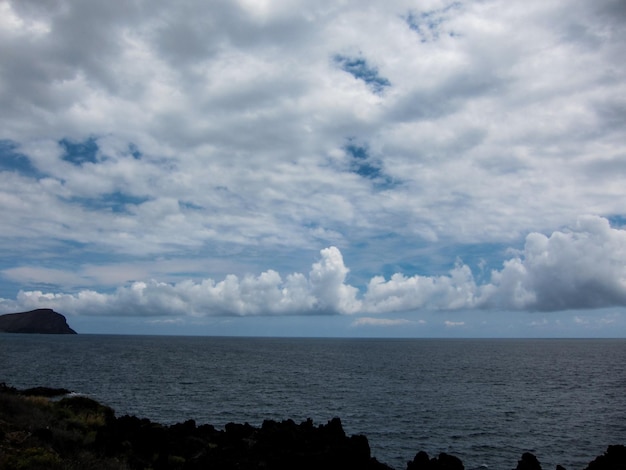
[
  {"x": 275, "y": 445},
  {"x": 443, "y": 462},
  {"x": 43, "y": 321},
  {"x": 77, "y": 432},
  {"x": 613, "y": 459},
  {"x": 528, "y": 462}
]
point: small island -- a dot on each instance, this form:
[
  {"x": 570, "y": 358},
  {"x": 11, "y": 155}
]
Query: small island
[{"x": 39, "y": 321}]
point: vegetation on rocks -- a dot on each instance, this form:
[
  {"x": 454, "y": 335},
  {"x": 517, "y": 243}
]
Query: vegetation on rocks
[
  {"x": 39, "y": 431},
  {"x": 77, "y": 432}
]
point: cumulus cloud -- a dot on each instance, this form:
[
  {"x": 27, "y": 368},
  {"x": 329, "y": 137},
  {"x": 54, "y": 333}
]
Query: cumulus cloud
[
  {"x": 456, "y": 290},
  {"x": 327, "y": 280},
  {"x": 323, "y": 292},
  {"x": 583, "y": 267}
]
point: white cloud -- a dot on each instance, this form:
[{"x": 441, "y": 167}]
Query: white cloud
[
  {"x": 584, "y": 267},
  {"x": 323, "y": 292},
  {"x": 453, "y": 324},
  {"x": 482, "y": 120},
  {"x": 457, "y": 290},
  {"x": 580, "y": 268},
  {"x": 327, "y": 279}
]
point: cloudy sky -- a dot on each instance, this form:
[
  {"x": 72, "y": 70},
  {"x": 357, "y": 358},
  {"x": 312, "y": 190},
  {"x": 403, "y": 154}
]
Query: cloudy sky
[{"x": 328, "y": 168}]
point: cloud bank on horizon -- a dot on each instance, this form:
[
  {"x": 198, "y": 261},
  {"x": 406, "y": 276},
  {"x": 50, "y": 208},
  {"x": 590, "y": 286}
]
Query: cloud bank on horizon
[
  {"x": 582, "y": 268},
  {"x": 155, "y": 157}
]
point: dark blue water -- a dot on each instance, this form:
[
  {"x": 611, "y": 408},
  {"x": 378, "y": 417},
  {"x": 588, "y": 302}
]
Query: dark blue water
[{"x": 486, "y": 401}]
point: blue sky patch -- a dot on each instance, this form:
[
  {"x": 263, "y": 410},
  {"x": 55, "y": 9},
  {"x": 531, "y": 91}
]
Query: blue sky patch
[
  {"x": 361, "y": 163},
  {"x": 481, "y": 258},
  {"x": 361, "y": 70},
  {"x": 80, "y": 152},
  {"x": 134, "y": 151},
  {"x": 10, "y": 160},
  {"x": 428, "y": 24},
  {"x": 617, "y": 220},
  {"x": 364, "y": 165}
]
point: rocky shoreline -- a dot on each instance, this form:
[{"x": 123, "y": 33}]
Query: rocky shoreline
[{"x": 38, "y": 431}]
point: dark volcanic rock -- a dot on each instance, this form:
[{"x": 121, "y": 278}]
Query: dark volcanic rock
[
  {"x": 45, "y": 392},
  {"x": 528, "y": 462},
  {"x": 77, "y": 432},
  {"x": 613, "y": 459},
  {"x": 43, "y": 320},
  {"x": 443, "y": 462},
  {"x": 275, "y": 445}
]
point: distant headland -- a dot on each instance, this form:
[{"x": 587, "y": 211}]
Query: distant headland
[{"x": 41, "y": 321}]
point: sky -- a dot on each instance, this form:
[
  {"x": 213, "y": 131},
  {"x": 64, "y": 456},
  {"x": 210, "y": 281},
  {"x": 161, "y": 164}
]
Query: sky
[{"x": 331, "y": 168}]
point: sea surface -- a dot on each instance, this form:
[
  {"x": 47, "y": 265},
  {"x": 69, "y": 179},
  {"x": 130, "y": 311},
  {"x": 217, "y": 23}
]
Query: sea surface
[{"x": 485, "y": 401}]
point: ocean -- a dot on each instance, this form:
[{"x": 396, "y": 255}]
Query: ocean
[{"x": 485, "y": 401}]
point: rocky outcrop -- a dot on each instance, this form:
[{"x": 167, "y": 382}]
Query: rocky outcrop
[
  {"x": 613, "y": 459},
  {"x": 43, "y": 320},
  {"x": 421, "y": 461},
  {"x": 528, "y": 462},
  {"x": 274, "y": 445},
  {"x": 78, "y": 432},
  {"x": 44, "y": 392}
]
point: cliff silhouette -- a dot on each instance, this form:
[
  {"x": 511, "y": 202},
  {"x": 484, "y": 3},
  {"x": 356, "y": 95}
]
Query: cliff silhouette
[{"x": 43, "y": 321}]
